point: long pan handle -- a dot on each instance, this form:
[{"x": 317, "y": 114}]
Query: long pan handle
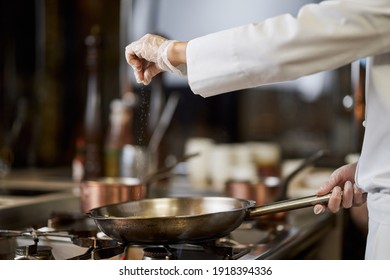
[{"x": 287, "y": 205}]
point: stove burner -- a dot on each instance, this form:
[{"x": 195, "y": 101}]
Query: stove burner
[
  {"x": 69, "y": 234},
  {"x": 97, "y": 248},
  {"x": 34, "y": 252},
  {"x": 159, "y": 253},
  {"x": 211, "y": 250}
]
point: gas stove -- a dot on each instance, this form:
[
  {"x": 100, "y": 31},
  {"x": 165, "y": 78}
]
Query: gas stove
[
  {"x": 76, "y": 237},
  {"x": 251, "y": 240}
]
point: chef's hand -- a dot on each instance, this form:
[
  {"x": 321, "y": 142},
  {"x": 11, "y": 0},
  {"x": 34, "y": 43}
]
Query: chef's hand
[
  {"x": 344, "y": 191},
  {"x": 153, "y": 54}
]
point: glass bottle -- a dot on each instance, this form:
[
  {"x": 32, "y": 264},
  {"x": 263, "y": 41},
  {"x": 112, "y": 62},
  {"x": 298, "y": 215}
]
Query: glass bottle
[{"x": 92, "y": 120}]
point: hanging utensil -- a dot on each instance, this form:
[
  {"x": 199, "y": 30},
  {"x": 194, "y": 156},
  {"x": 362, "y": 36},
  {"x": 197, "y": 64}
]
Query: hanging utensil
[{"x": 160, "y": 129}]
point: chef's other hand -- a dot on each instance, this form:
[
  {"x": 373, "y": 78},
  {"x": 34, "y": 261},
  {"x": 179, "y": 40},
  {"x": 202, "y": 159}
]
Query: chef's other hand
[
  {"x": 149, "y": 56},
  {"x": 344, "y": 191}
]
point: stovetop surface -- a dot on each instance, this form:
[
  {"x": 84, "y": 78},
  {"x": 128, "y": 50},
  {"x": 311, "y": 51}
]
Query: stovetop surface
[{"x": 75, "y": 236}]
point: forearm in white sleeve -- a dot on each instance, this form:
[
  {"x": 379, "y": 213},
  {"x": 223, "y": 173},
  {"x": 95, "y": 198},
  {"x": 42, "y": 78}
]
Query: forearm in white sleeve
[{"x": 322, "y": 37}]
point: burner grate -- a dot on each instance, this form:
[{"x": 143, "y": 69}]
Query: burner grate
[{"x": 75, "y": 239}]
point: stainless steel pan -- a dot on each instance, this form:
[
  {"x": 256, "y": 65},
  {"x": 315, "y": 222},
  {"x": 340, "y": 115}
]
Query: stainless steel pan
[{"x": 185, "y": 219}]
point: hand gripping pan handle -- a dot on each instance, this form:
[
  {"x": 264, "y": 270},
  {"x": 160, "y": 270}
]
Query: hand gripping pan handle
[{"x": 287, "y": 205}]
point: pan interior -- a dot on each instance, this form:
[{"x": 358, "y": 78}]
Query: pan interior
[{"x": 170, "y": 207}]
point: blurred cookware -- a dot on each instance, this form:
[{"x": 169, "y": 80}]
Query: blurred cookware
[
  {"x": 270, "y": 188},
  {"x": 185, "y": 219},
  {"x": 111, "y": 190}
]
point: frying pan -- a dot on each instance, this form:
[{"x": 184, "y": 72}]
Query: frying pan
[{"x": 185, "y": 219}]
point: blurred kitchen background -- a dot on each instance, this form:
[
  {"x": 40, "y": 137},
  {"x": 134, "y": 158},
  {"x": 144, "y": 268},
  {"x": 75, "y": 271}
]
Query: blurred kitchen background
[
  {"x": 43, "y": 82},
  {"x": 64, "y": 78}
]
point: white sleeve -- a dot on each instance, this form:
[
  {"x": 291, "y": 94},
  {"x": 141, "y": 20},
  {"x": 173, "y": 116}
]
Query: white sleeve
[{"x": 322, "y": 37}]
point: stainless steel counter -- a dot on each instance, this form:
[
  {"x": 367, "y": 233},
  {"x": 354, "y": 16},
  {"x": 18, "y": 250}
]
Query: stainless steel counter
[{"x": 28, "y": 198}]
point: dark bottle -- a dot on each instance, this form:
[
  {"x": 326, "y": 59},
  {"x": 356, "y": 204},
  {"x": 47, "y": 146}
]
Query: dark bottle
[{"x": 92, "y": 119}]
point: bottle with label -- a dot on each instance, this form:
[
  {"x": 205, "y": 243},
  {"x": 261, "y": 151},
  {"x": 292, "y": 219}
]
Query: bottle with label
[
  {"x": 119, "y": 135},
  {"x": 123, "y": 158}
]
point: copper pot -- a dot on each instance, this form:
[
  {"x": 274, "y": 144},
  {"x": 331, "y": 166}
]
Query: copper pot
[
  {"x": 269, "y": 189},
  {"x": 111, "y": 190},
  {"x": 262, "y": 192},
  {"x": 108, "y": 190}
]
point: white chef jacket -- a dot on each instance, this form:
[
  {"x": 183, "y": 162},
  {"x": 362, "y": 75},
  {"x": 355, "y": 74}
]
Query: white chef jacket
[{"x": 322, "y": 37}]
